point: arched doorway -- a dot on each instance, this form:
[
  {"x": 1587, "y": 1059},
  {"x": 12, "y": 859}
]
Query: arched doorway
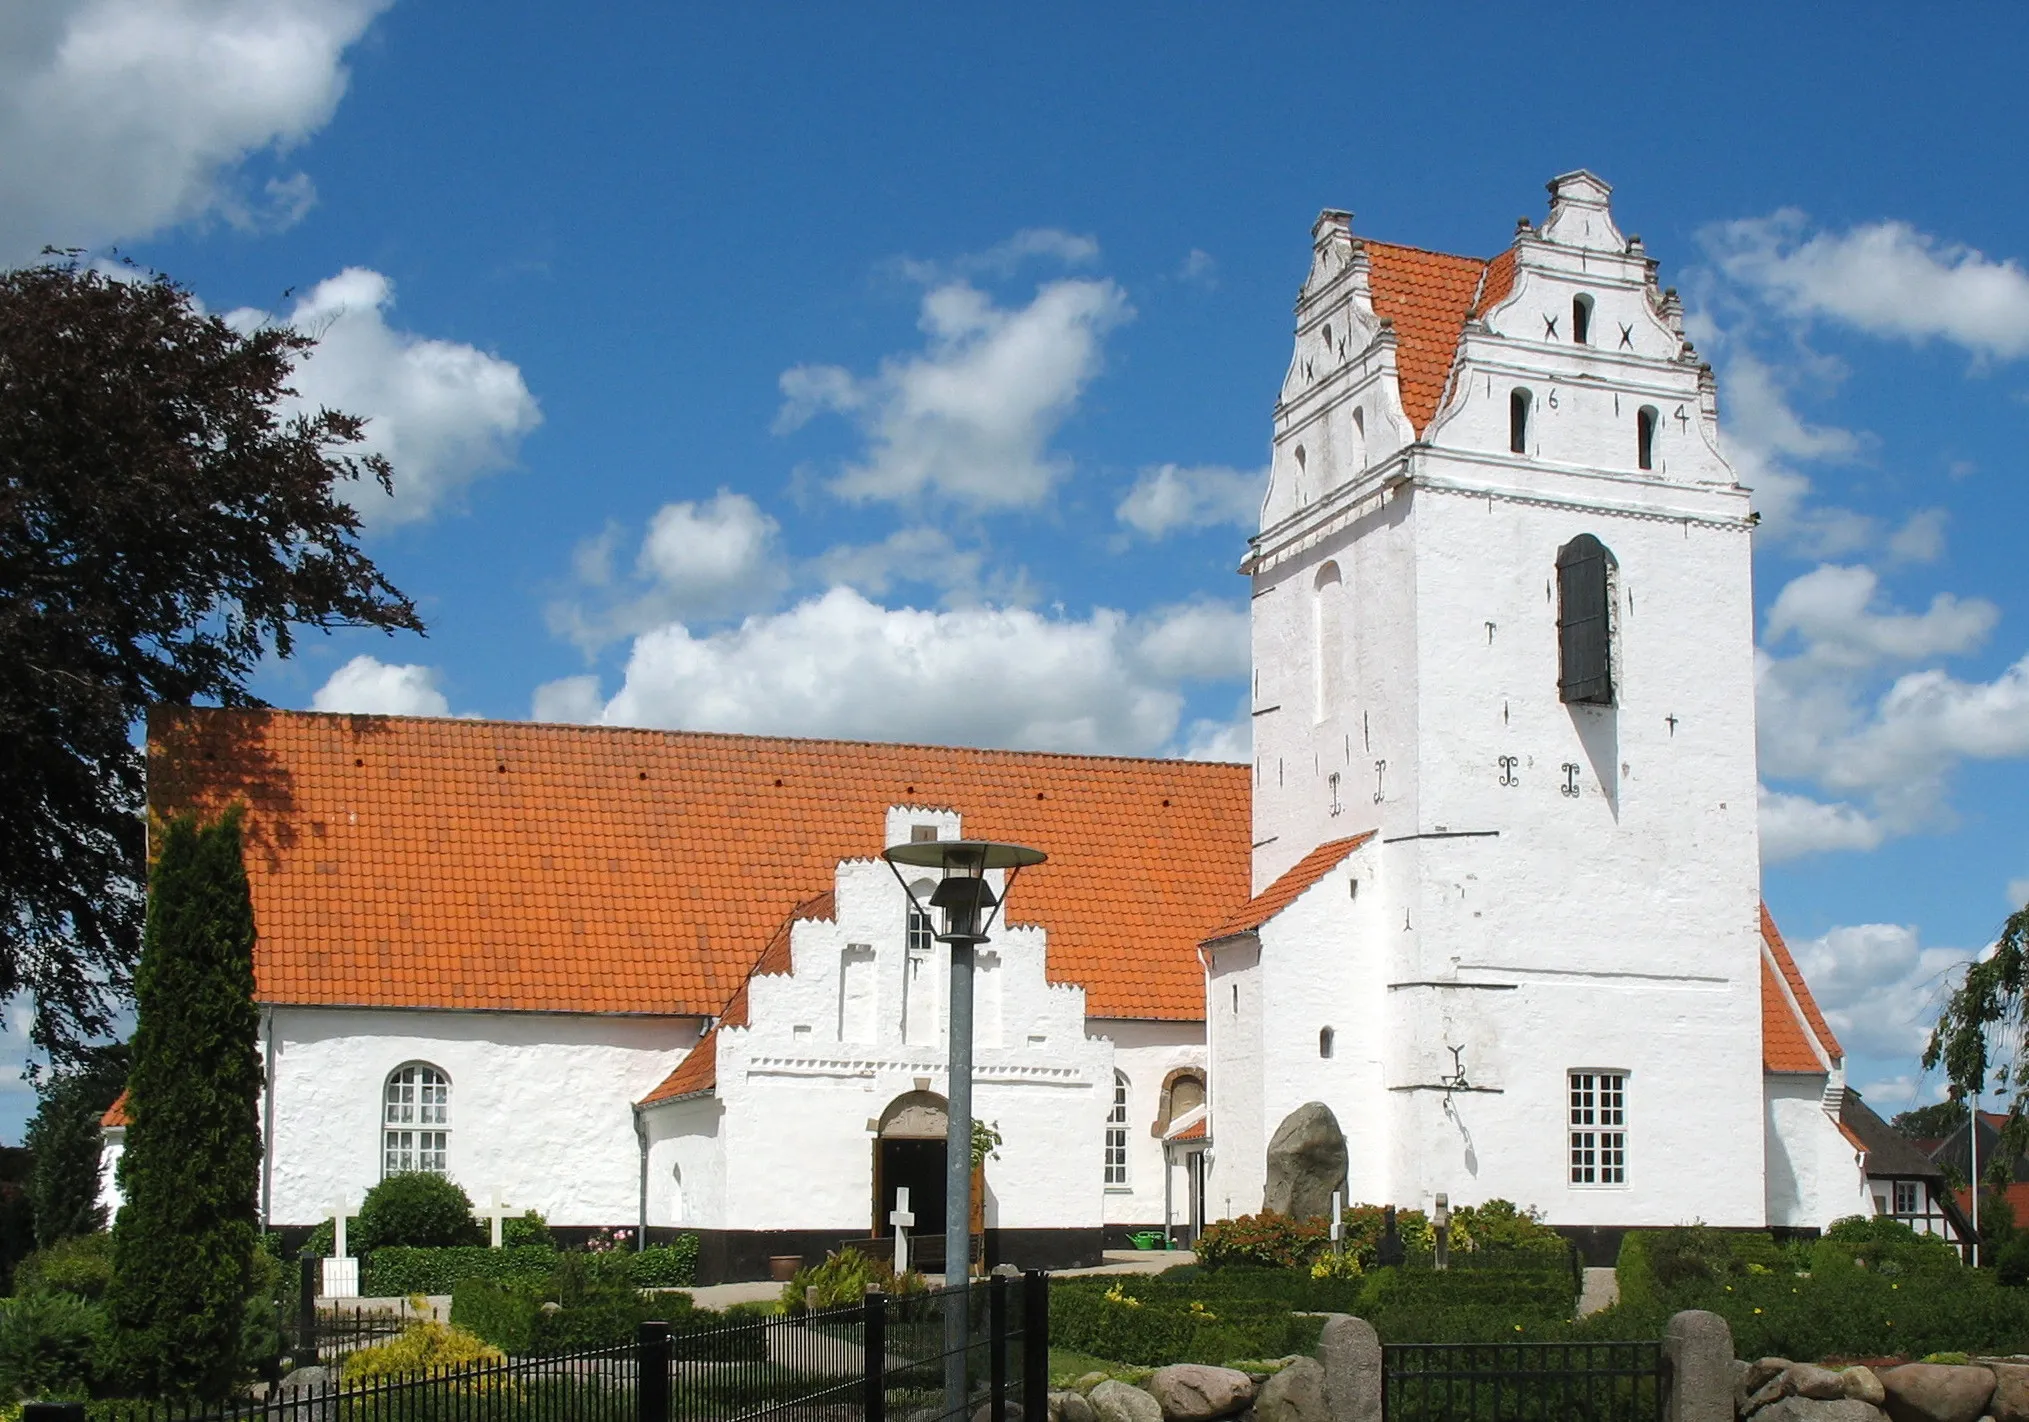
[{"x": 909, "y": 1153}]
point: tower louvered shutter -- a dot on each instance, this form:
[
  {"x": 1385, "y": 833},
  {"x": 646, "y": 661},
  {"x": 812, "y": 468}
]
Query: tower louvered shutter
[{"x": 1584, "y": 622}]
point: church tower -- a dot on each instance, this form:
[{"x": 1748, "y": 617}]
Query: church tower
[{"x": 1504, "y": 768}]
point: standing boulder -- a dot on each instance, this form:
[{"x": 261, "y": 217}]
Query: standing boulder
[
  {"x": 1192, "y": 1392},
  {"x": 1306, "y": 1162}
]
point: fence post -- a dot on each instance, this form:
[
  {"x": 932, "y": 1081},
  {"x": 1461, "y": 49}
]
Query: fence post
[
  {"x": 1035, "y": 1346},
  {"x": 52, "y": 1412},
  {"x": 996, "y": 1347},
  {"x": 304, "y": 1355},
  {"x": 874, "y": 1345},
  {"x": 651, "y": 1372}
]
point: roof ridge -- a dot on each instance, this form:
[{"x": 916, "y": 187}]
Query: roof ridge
[
  {"x": 1425, "y": 251},
  {"x": 662, "y": 731}
]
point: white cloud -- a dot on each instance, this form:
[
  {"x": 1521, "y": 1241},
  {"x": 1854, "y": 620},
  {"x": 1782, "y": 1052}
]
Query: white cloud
[
  {"x": 840, "y": 665},
  {"x": 1167, "y": 497},
  {"x": 1879, "y": 987},
  {"x": 970, "y": 417},
  {"x": 1920, "y": 539},
  {"x": 1837, "y": 612},
  {"x": 1003, "y": 259},
  {"x": 923, "y": 556},
  {"x": 372, "y": 687},
  {"x": 698, "y": 561},
  {"x": 1199, "y": 268},
  {"x": 572, "y": 698},
  {"x": 122, "y": 117},
  {"x": 1793, "y": 826},
  {"x": 1197, "y": 641},
  {"x": 442, "y": 412},
  {"x": 2018, "y": 894},
  {"x": 1884, "y": 278},
  {"x": 1219, "y": 740}
]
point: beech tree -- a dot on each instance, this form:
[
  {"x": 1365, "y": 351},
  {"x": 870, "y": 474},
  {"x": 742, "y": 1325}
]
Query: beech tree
[
  {"x": 164, "y": 523},
  {"x": 183, "y": 1243}
]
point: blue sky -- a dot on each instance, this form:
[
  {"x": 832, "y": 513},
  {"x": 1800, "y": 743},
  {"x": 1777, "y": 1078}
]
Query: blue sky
[{"x": 790, "y": 369}]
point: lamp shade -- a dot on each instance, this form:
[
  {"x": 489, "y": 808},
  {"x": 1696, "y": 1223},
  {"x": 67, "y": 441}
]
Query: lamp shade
[{"x": 962, "y": 856}]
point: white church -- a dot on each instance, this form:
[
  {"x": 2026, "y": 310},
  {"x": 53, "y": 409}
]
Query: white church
[{"x": 1489, "y": 887}]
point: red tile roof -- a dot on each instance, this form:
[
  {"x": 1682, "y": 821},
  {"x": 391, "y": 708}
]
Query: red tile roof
[
  {"x": 698, "y": 1071},
  {"x": 116, "y": 1114},
  {"x": 1280, "y": 894},
  {"x": 1195, "y": 1131},
  {"x": 411, "y": 862},
  {"x": 1429, "y": 296},
  {"x": 1795, "y": 1038}
]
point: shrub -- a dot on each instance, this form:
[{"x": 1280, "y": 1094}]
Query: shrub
[
  {"x": 529, "y": 1227},
  {"x": 423, "y": 1346},
  {"x": 843, "y": 1279},
  {"x": 500, "y": 1314},
  {"x": 403, "y": 1271},
  {"x": 184, "y": 1241},
  {"x": 1499, "y": 1225},
  {"x": 1267, "y": 1240},
  {"x": 50, "y": 1345},
  {"x": 1656, "y": 1263},
  {"x": 81, "y": 1266},
  {"x": 417, "y": 1209},
  {"x": 2012, "y": 1268},
  {"x": 1361, "y": 1227},
  {"x": 1885, "y": 1244},
  {"x": 666, "y": 1266},
  {"x": 1128, "y": 1322},
  {"x": 324, "y": 1238}
]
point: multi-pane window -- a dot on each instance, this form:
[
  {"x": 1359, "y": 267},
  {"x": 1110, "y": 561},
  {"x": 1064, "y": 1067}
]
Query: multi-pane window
[
  {"x": 1598, "y": 1128},
  {"x": 415, "y": 1120},
  {"x": 1905, "y": 1197},
  {"x": 1116, "y": 1133},
  {"x": 921, "y": 936}
]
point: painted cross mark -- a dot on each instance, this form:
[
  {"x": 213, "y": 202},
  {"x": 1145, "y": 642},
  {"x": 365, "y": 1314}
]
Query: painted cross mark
[{"x": 1627, "y": 337}]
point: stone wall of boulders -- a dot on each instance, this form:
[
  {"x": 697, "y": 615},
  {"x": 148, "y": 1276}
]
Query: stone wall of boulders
[
  {"x": 1341, "y": 1384},
  {"x": 1777, "y": 1390}
]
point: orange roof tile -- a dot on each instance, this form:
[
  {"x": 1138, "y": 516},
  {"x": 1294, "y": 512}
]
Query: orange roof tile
[
  {"x": 696, "y": 1074},
  {"x": 412, "y": 862},
  {"x": 116, "y": 1114},
  {"x": 1813, "y": 1025},
  {"x": 1784, "y": 1047},
  {"x": 1280, "y": 894},
  {"x": 1428, "y": 296},
  {"x": 1195, "y": 1131}
]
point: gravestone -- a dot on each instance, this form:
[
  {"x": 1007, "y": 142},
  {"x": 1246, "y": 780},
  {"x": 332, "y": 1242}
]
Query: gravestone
[{"x": 1306, "y": 1162}]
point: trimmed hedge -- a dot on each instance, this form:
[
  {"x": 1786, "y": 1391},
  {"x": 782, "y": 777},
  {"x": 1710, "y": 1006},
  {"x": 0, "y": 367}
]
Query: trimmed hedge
[
  {"x": 1124, "y": 1321},
  {"x": 398, "y": 1271},
  {"x": 666, "y": 1266}
]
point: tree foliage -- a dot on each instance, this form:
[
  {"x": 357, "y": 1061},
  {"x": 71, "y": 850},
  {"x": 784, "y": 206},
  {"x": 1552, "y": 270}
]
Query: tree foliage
[
  {"x": 164, "y": 523},
  {"x": 1930, "y": 1123},
  {"x": 419, "y": 1208},
  {"x": 183, "y": 1243},
  {"x": 64, "y": 1137},
  {"x": 1979, "y": 1036}
]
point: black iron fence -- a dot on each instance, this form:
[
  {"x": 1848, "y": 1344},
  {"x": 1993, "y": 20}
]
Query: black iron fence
[
  {"x": 1524, "y": 1382},
  {"x": 887, "y": 1357},
  {"x": 329, "y": 1334}
]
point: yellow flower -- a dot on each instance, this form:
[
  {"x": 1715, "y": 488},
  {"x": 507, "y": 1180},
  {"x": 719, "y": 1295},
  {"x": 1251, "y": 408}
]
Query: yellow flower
[
  {"x": 1518, "y": 1328},
  {"x": 1757, "y": 1310}
]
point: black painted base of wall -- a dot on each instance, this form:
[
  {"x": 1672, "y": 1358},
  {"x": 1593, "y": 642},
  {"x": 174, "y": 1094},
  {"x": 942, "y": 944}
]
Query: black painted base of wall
[
  {"x": 731, "y": 1256},
  {"x": 1599, "y": 1245}
]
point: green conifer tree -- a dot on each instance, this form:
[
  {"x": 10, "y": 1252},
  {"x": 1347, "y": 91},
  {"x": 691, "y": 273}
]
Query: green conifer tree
[
  {"x": 64, "y": 1140},
  {"x": 184, "y": 1240}
]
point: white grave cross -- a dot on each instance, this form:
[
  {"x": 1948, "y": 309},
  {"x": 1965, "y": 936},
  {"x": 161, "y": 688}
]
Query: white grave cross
[
  {"x": 901, "y": 1217},
  {"x": 341, "y": 1274},
  {"x": 1338, "y": 1223},
  {"x": 495, "y": 1214},
  {"x": 339, "y": 1210}
]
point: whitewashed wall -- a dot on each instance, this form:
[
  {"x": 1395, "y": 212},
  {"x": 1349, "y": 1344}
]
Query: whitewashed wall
[
  {"x": 541, "y": 1104},
  {"x": 1600, "y": 865},
  {"x": 804, "y": 1086},
  {"x": 1237, "y": 1169},
  {"x": 1147, "y": 1052},
  {"x": 112, "y": 1145},
  {"x": 1814, "y": 1173}
]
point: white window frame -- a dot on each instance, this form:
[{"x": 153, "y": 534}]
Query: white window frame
[
  {"x": 415, "y": 1120},
  {"x": 1595, "y": 1128},
  {"x": 1896, "y": 1189},
  {"x": 1115, "y": 1157}
]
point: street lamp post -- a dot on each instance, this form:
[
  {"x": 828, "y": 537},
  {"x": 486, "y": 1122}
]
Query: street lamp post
[{"x": 969, "y": 910}]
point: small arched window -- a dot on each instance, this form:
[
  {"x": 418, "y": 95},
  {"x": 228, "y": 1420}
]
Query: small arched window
[
  {"x": 1116, "y": 1133},
  {"x": 1645, "y": 437},
  {"x": 1581, "y": 320},
  {"x": 1585, "y": 622},
  {"x": 1519, "y": 401},
  {"x": 415, "y": 1120},
  {"x": 1326, "y": 1040}
]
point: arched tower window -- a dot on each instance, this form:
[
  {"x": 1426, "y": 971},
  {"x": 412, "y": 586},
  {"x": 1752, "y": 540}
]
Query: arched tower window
[
  {"x": 1116, "y": 1133},
  {"x": 1585, "y": 572},
  {"x": 1328, "y": 640},
  {"x": 415, "y": 1120},
  {"x": 1519, "y": 402},
  {"x": 1581, "y": 320},
  {"x": 1645, "y": 437}
]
